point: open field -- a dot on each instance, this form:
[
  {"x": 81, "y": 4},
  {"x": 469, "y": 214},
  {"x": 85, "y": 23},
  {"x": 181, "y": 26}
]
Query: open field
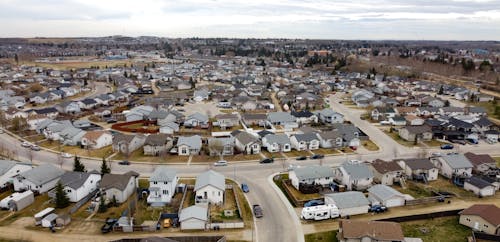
[
  {"x": 78, "y": 64},
  {"x": 436, "y": 230}
]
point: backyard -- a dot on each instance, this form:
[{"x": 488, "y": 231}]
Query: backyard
[
  {"x": 330, "y": 236},
  {"x": 436, "y": 230}
]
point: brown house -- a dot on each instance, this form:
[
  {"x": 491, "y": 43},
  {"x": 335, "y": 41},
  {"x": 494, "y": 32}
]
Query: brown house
[
  {"x": 367, "y": 231},
  {"x": 482, "y": 217}
]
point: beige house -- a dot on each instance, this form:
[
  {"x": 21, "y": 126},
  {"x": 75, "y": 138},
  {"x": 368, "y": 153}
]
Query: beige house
[
  {"x": 386, "y": 172},
  {"x": 419, "y": 133},
  {"x": 482, "y": 217},
  {"x": 369, "y": 231}
]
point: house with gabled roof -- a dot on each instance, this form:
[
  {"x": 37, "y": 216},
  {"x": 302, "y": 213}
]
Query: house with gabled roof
[
  {"x": 369, "y": 231},
  {"x": 387, "y": 196},
  {"x": 479, "y": 186},
  {"x": 119, "y": 186},
  {"x": 162, "y": 184},
  {"x": 40, "y": 179},
  {"x": 9, "y": 169},
  {"x": 419, "y": 169},
  {"x": 127, "y": 143},
  {"x": 328, "y": 116},
  {"x": 78, "y": 185},
  {"x": 209, "y": 188},
  {"x": 307, "y": 141},
  {"x": 484, "y": 218},
  {"x": 354, "y": 175},
  {"x": 277, "y": 143},
  {"x": 453, "y": 165},
  {"x": 483, "y": 164},
  {"x": 97, "y": 139},
  {"x": 196, "y": 120},
  {"x": 311, "y": 175},
  {"x": 386, "y": 172},
  {"x": 189, "y": 145},
  {"x": 157, "y": 144},
  {"x": 247, "y": 143}
]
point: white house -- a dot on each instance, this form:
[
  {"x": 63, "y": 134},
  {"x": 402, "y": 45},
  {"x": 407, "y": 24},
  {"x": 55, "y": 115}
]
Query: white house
[
  {"x": 119, "y": 186},
  {"x": 194, "y": 217},
  {"x": 210, "y": 187},
  {"x": 97, "y": 139},
  {"x": 317, "y": 175},
  {"x": 349, "y": 203},
  {"x": 277, "y": 143},
  {"x": 247, "y": 143},
  {"x": 386, "y": 172},
  {"x": 162, "y": 184},
  {"x": 453, "y": 165},
  {"x": 125, "y": 143},
  {"x": 9, "y": 169},
  {"x": 329, "y": 116},
  {"x": 419, "y": 169},
  {"x": 190, "y": 145},
  {"x": 387, "y": 196},
  {"x": 355, "y": 176},
  {"x": 308, "y": 141},
  {"x": 480, "y": 187},
  {"x": 78, "y": 185},
  {"x": 39, "y": 179}
]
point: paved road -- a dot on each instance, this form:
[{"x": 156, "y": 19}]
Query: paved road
[{"x": 277, "y": 224}]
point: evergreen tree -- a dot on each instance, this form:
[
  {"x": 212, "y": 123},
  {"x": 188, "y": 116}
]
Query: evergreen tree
[
  {"x": 104, "y": 167},
  {"x": 441, "y": 90},
  {"x": 78, "y": 165},
  {"x": 102, "y": 205},
  {"x": 62, "y": 199}
]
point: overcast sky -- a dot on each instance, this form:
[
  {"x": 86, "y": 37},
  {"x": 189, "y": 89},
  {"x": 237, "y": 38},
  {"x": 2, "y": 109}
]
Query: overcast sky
[{"x": 323, "y": 19}]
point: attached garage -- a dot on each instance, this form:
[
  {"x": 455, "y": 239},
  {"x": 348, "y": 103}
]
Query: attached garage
[
  {"x": 194, "y": 217},
  {"x": 387, "y": 196}
]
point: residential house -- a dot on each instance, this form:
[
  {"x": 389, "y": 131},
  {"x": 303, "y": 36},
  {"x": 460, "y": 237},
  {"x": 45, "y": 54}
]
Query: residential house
[
  {"x": 453, "y": 165},
  {"x": 281, "y": 118},
  {"x": 387, "y": 196},
  {"x": 386, "y": 172},
  {"x": 71, "y": 136},
  {"x": 479, "y": 186},
  {"x": 78, "y": 185},
  {"x": 369, "y": 231},
  {"x": 483, "y": 218},
  {"x": 221, "y": 146},
  {"x": 331, "y": 139},
  {"x": 127, "y": 143},
  {"x": 97, "y": 139},
  {"x": 196, "y": 120},
  {"x": 40, "y": 179},
  {"x": 483, "y": 164},
  {"x": 354, "y": 175},
  {"x": 397, "y": 120},
  {"x": 254, "y": 119},
  {"x": 169, "y": 128},
  {"x": 349, "y": 203},
  {"x": 308, "y": 141},
  {"x": 419, "y": 169},
  {"x": 189, "y": 145},
  {"x": 194, "y": 217},
  {"x": 382, "y": 113},
  {"x": 157, "y": 144},
  {"x": 68, "y": 107},
  {"x": 200, "y": 95},
  {"x": 414, "y": 120},
  {"x": 87, "y": 104},
  {"x": 311, "y": 175},
  {"x": 9, "y": 169},
  {"x": 162, "y": 185},
  {"x": 225, "y": 121},
  {"x": 119, "y": 186},
  {"x": 304, "y": 117},
  {"x": 247, "y": 143},
  {"x": 328, "y": 116},
  {"x": 415, "y": 133},
  {"x": 209, "y": 188},
  {"x": 277, "y": 143}
]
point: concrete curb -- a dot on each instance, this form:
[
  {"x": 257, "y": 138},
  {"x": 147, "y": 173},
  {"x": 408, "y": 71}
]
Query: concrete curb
[{"x": 291, "y": 211}]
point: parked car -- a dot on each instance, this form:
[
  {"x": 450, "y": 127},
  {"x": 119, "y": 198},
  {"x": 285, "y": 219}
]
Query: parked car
[
  {"x": 302, "y": 158},
  {"x": 313, "y": 203},
  {"x": 244, "y": 188},
  {"x": 317, "y": 156},
  {"x": 26, "y": 144},
  {"x": 267, "y": 160},
  {"x": 491, "y": 141},
  {"x": 124, "y": 163},
  {"x": 446, "y": 146},
  {"x": 257, "y": 211},
  {"x": 459, "y": 141},
  {"x": 377, "y": 209},
  {"x": 66, "y": 155},
  {"x": 385, "y": 122},
  {"x": 220, "y": 163},
  {"x": 436, "y": 154},
  {"x": 108, "y": 225},
  {"x": 35, "y": 147},
  {"x": 111, "y": 121},
  {"x": 472, "y": 141}
]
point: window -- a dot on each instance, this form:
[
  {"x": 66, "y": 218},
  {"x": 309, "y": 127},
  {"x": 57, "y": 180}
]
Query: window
[
  {"x": 155, "y": 183},
  {"x": 165, "y": 183}
]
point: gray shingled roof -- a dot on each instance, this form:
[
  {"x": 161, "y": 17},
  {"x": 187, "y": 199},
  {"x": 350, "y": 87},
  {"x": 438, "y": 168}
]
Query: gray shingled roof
[
  {"x": 357, "y": 171},
  {"x": 163, "y": 174},
  {"x": 42, "y": 174},
  {"x": 157, "y": 139},
  {"x": 245, "y": 138},
  {"x": 6, "y": 165},
  {"x": 212, "y": 178},
  {"x": 280, "y": 117},
  {"x": 195, "y": 211},
  {"x": 118, "y": 181},
  {"x": 384, "y": 192},
  {"x": 419, "y": 163},
  {"x": 278, "y": 139},
  {"x": 350, "y": 199},
  {"x": 191, "y": 141},
  {"x": 478, "y": 182},
  {"x": 74, "y": 179},
  {"x": 307, "y": 137},
  {"x": 457, "y": 161},
  {"x": 313, "y": 172}
]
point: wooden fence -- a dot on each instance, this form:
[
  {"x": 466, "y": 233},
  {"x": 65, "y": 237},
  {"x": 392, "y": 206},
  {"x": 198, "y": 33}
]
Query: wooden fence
[{"x": 425, "y": 200}]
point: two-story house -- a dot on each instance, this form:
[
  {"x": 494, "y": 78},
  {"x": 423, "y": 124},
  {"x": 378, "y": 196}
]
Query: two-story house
[{"x": 162, "y": 184}]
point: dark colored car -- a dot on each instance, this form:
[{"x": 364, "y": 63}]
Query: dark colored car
[
  {"x": 317, "y": 156},
  {"x": 244, "y": 188},
  {"x": 108, "y": 225},
  {"x": 313, "y": 203},
  {"x": 302, "y": 158},
  {"x": 459, "y": 141},
  {"x": 378, "y": 209},
  {"x": 267, "y": 160},
  {"x": 257, "y": 211},
  {"x": 111, "y": 121},
  {"x": 446, "y": 146},
  {"x": 124, "y": 163}
]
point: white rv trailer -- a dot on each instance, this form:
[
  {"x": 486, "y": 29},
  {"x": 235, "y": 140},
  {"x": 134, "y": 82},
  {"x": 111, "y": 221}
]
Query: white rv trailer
[
  {"x": 42, "y": 214},
  {"x": 320, "y": 212}
]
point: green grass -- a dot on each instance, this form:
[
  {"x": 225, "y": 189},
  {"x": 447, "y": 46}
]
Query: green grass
[
  {"x": 330, "y": 236},
  {"x": 439, "y": 229},
  {"x": 143, "y": 183},
  {"x": 414, "y": 190}
]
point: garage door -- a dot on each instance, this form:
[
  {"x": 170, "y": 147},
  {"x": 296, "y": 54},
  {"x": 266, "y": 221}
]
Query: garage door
[{"x": 394, "y": 202}]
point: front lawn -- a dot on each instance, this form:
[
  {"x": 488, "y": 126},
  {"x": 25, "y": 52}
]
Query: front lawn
[
  {"x": 369, "y": 145},
  {"x": 325, "y": 151},
  {"x": 437, "y": 230},
  {"x": 99, "y": 153},
  {"x": 330, "y": 236},
  {"x": 139, "y": 156}
]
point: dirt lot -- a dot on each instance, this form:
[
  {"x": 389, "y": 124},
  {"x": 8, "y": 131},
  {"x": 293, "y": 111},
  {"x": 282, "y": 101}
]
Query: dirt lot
[{"x": 217, "y": 212}]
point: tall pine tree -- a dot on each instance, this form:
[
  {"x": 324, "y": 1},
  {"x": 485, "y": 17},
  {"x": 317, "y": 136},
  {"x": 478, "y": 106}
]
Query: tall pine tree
[
  {"x": 77, "y": 165},
  {"x": 104, "y": 167},
  {"x": 62, "y": 199}
]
